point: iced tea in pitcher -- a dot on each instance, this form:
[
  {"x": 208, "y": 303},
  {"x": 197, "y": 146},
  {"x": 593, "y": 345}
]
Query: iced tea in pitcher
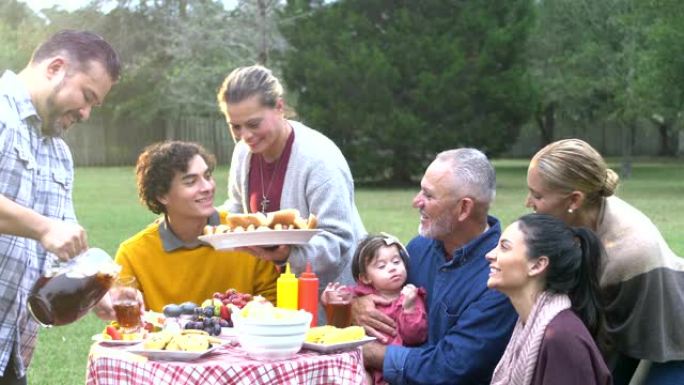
[{"x": 66, "y": 294}]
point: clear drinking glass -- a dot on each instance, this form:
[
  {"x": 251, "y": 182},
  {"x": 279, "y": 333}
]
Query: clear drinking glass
[
  {"x": 338, "y": 307},
  {"x": 124, "y": 296}
]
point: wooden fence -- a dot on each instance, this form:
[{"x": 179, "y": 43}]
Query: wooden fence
[
  {"x": 606, "y": 138},
  {"x": 97, "y": 143}
]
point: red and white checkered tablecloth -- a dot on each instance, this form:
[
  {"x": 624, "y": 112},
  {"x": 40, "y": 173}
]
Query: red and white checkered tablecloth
[{"x": 227, "y": 365}]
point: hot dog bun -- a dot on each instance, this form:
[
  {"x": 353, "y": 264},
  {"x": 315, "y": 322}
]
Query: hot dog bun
[
  {"x": 291, "y": 219},
  {"x": 312, "y": 222},
  {"x": 245, "y": 220},
  {"x": 300, "y": 224},
  {"x": 285, "y": 218}
]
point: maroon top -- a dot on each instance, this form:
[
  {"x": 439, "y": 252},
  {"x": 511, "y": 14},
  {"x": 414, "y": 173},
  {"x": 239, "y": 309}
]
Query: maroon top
[
  {"x": 568, "y": 355},
  {"x": 273, "y": 179}
]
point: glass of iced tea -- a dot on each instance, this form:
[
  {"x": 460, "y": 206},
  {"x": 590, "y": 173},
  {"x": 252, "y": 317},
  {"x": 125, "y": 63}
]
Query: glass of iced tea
[
  {"x": 124, "y": 294},
  {"x": 338, "y": 307}
]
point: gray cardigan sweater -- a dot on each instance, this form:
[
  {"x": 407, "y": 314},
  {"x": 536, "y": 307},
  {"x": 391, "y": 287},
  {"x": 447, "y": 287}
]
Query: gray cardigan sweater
[{"x": 318, "y": 181}]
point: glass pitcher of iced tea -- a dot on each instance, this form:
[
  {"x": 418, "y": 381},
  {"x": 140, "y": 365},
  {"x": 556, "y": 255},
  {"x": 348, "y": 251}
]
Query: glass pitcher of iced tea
[{"x": 69, "y": 290}]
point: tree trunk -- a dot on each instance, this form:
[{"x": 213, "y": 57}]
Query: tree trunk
[
  {"x": 666, "y": 134},
  {"x": 546, "y": 121},
  {"x": 183, "y": 9},
  {"x": 627, "y": 147},
  {"x": 664, "y": 131},
  {"x": 263, "y": 43},
  {"x": 667, "y": 147}
]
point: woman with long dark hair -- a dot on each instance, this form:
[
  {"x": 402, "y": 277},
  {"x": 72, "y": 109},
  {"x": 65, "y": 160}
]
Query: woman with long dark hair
[{"x": 550, "y": 273}]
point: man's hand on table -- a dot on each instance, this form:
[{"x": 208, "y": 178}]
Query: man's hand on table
[{"x": 375, "y": 323}]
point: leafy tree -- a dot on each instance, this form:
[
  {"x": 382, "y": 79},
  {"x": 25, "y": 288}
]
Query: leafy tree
[
  {"x": 612, "y": 61},
  {"x": 662, "y": 66},
  {"x": 21, "y": 30},
  {"x": 394, "y": 82},
  {"x": 573, "y": 52},
  {"x": 255, "y": 22},
  {"x": 175, "y": 54}
]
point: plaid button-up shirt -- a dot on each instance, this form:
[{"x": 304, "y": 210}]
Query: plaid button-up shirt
[{"x": 36, "y": 171}]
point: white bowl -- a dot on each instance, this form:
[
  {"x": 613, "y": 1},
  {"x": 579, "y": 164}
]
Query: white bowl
[
  {"x": 272, "y": 338},
  {"x": 272, "y": 353},
  {"x": 270, "y": 330},
  {"x": 270, "y": 346},
  {"x": 274, "y": 316},
  {"x": 297, "y": 323},
  {"x": 280, "y": 342}
]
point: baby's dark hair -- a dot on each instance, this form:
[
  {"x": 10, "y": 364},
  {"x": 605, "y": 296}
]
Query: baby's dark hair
[{"x": 367, "y": 250}]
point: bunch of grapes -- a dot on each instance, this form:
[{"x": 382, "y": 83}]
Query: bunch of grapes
[
  {"x": 204, "y": 319},
  {"x": 214, "y": 313},
  {"x": 233, "y": 296}
]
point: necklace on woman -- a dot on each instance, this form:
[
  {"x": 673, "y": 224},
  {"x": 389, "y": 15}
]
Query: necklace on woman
[{"x": 266, "y": 191}]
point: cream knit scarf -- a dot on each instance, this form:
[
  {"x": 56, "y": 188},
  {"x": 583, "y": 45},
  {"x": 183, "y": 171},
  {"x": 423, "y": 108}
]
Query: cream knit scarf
[{"x": 520, "y": 357}]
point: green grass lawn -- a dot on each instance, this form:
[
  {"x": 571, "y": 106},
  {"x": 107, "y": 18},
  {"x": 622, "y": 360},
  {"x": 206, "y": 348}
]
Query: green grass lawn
[{"x": 107, "y": 206}]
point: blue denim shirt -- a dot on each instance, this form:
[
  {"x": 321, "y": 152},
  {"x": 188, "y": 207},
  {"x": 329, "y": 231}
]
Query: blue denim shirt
[
  {"x": 469, "y": 325},
  {"x": 36, "y": 171}
]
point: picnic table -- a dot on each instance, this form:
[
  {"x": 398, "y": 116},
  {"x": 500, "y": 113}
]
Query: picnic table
[{"x": 229, "y": 364}]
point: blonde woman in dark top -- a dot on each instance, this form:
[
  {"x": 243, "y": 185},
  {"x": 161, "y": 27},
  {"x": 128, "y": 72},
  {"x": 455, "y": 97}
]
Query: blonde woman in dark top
[{"x": 549, "y": 272}]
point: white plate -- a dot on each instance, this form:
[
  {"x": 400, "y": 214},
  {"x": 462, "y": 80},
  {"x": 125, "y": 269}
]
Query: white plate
[
  {"x": 258, "y": 238},
  {"x": 336, "y": 347},
  {"x": 100, "y": 339},
  {"x": 166, "y": 355}
]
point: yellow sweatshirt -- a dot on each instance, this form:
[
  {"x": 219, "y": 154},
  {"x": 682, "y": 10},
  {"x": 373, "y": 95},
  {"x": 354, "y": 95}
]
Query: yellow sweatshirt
[{"x": 191, "y": 274}]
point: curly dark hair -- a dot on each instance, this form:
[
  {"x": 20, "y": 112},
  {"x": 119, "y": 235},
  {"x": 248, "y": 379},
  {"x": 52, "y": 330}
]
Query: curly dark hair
[{"x": 157, "y": 166}]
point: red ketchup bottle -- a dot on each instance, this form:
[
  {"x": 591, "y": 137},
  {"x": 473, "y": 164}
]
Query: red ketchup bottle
[{"x": 308, "y": 293}]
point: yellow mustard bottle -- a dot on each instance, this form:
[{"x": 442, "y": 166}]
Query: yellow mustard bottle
[{"x": 286, "y": 287}]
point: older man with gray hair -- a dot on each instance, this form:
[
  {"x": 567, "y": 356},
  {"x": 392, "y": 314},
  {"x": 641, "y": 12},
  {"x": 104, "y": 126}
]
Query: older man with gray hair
[{"x": 469, "y": 324}]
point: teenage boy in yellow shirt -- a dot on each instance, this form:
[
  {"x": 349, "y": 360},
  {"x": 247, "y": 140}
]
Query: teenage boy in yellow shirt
[{"x": 170, "y": 264}]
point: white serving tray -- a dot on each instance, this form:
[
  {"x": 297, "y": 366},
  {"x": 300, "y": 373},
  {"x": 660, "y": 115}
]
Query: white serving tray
[
  {"x": 102, "y": 341},
  {"x": 167, "y": 355},
  {"x": 228, "y": 241},
  {"x": 331, "y": 348}
]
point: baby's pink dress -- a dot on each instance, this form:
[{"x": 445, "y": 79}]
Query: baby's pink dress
[{"x": 411, "y": 327}]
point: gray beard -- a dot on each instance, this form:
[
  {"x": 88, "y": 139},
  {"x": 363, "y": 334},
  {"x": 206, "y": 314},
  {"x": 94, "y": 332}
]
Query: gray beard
[{"x": 439, "y": 228}]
